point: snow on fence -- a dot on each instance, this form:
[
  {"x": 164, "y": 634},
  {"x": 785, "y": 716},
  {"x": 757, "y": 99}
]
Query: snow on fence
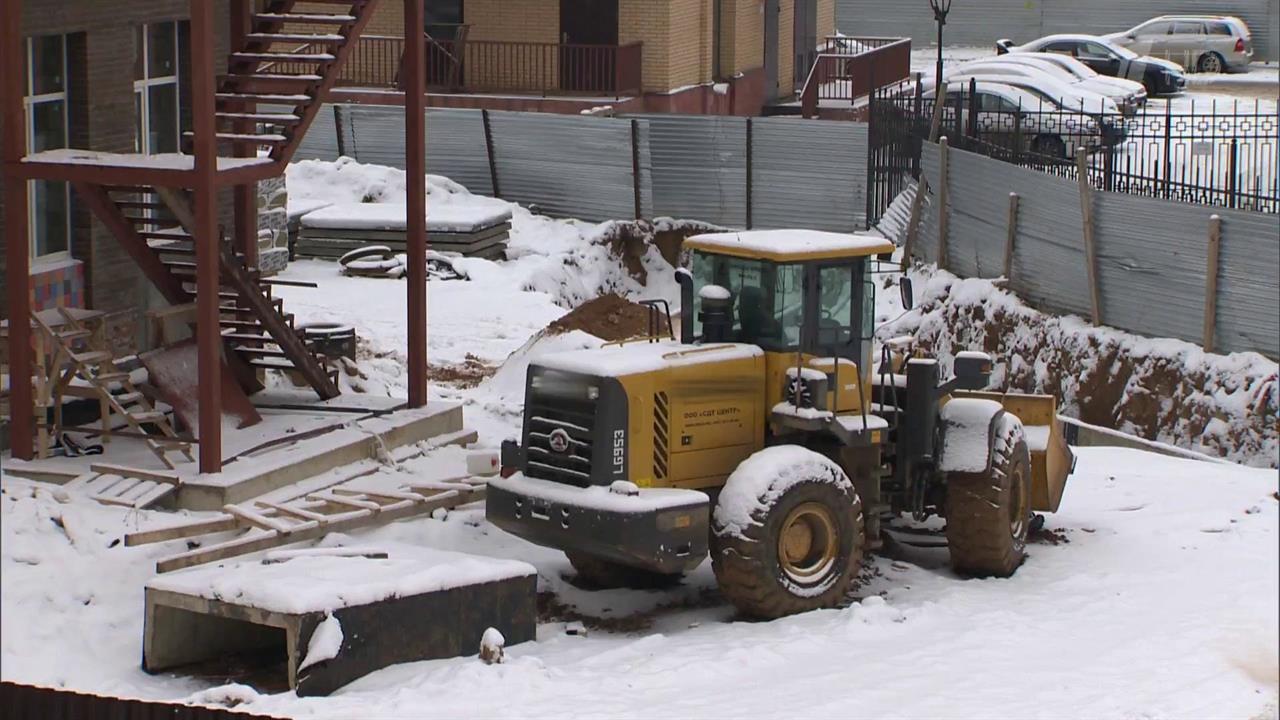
[
  {"x": 28, "y": 701},
  {"x": 1204, "y": 274},
  {"x": 730, "y": 171}
]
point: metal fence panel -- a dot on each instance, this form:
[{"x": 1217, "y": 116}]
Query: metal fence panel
[
  {"x": 982, "y": 22},
  {"x": 808, "y": 173},
  {"x": 456, "y": 148},
  {"x": 1248, "y": 282},
  {"x": 567, "y": 165},
  {"x": 321, "y": 140},
  {"x": 699, "y": 168},
  {"x": 1151, "y": 264},
  {"x": 373, "y": 134}
]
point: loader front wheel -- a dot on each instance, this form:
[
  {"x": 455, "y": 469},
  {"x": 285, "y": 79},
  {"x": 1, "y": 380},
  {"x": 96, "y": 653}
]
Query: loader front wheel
[
  {"x": 605, "y": 574},
  {"x": 787, "y": 534},
  {"x": 989, "y": 513}
]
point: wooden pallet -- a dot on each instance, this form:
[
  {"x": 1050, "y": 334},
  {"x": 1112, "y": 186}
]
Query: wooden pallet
[
  {"x": 128, "y": 487},
  {"x": 271, "y": 524}
]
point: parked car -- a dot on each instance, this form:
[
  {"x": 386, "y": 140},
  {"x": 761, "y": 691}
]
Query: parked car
[
  {"x": 1017, "y": 118},
  {"x": 1129, "y": 95},
  {"x": 1037, "y": 79},
  {"x": 1207, "y": 43},
  {"x": 1160, "y": 77}
]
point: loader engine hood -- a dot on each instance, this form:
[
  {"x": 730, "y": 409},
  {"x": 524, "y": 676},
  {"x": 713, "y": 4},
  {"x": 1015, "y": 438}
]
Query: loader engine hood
[{"x": 576, "y": 408}]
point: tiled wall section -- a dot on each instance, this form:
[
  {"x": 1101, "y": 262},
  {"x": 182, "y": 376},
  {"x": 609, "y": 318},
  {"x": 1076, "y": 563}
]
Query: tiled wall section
[{"x": 57, "y": 284}]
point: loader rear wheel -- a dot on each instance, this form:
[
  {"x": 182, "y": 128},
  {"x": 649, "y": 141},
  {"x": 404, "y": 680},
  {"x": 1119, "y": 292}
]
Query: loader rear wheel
[
  {"x": 602, "y": 573},
  {"x": 799, "y": 548},
  {"x": 989, "y": 513}
]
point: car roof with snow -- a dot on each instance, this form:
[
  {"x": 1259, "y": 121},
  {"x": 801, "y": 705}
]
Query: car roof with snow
[{"x": 790, "y": 245}]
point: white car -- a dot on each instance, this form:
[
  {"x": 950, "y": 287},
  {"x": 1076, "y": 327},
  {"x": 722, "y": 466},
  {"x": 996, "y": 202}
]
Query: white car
[
  {"x": 1129, "y": 95},
  {"x": 1160, "y": 77},
  {"x": 1034, "y": 79},
  {"x": 1016, "y": 118}
]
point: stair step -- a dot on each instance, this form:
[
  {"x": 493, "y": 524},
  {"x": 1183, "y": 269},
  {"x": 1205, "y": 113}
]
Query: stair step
[
  {"x": 260, "y": 352},
  {"x": 311, "y": 18},
  {"x": 130, "y": 204},
  {"x": 157, "y": 235},
  {"x": 282, "y": 57},
  {"x": 126, "y": 398},
  {"x": 270, "y": 37},
  {"x": 268, "y": 118},
  {"x": 268, "y": 365},
  {"x": 271, "y": 77},
  {"x": 111, "y": 376},
  {"x": 147, "y": 416},
  {"x": 240, "y": 323},
  {"x": 263, "y": 97},
  {"x": 247, "y": 337},
  {"x": 244, "y": 137},
  {"x": 74, "y": 334},
  {"x": 94, "y": 356}
]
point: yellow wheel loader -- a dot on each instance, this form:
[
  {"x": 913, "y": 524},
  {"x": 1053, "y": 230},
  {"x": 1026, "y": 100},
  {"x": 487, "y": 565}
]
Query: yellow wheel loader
[{"x": 765, "y": 436}]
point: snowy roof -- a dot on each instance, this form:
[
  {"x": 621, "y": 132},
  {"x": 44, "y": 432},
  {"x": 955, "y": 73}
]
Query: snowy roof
[
  {"x": 392, "y": 216},
  {"x": 638, "y": 357},
  {"x": 320, "y": 583},
  {"x": 791, "y": 245}
]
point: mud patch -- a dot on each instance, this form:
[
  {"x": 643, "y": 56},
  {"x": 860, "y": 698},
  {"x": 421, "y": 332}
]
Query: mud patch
[
  {"x": 466, "y": 374},
  {"x": 1046, "y": 536},
  {"x": 630, "y": 240},
  {"x": 609, "y": 317}
]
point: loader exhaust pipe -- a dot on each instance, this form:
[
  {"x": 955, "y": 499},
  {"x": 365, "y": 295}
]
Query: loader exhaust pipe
[{"x": 716, "y": 314}]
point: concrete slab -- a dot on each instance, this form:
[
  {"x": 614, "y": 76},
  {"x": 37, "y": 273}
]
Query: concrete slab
[{"x": 415, "y": 604}]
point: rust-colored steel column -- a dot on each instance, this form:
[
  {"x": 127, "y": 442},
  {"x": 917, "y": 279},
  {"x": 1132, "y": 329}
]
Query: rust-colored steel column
[
  {"x": 17, "y": 284},
  {"x": 415, "y": 160},
  {"x": 205, "y": 236},
  {"x": 245, "y": 195}
]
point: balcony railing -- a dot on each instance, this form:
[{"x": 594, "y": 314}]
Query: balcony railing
[
  {"x": 849, "y": 68},
  {"x": 495, "y": 66}
]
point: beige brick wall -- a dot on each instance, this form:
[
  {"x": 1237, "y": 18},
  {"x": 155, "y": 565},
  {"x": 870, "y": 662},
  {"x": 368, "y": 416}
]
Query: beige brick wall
[
  {"x": 786, "y": 47},
  {"x": 741, "y": 36},
  {"x": 649, "y": 22},
  {"x": 826, "y": 19}
]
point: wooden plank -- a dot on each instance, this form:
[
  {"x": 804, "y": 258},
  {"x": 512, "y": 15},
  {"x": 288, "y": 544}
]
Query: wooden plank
[
  {"x": 156, "y": 494},
  {"x": 1211, "y": 281},
  {"x": 185, "y": 530},
  {"x": 388, "y": 495},
  {"x": 153, "y": 475},
  {"x": 257, "y": 519},
  {"x": 1011, "y": 234},
  {"x": 263, "y": 541},
  {"x": 354, "y": 502},
  {"x": 1090, "y": 248},
  {"x": 944, "y": 200},
  {"x": 294, "y": 510}
]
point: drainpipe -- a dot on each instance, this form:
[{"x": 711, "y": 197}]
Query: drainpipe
[{"x": 717, "y": 12}]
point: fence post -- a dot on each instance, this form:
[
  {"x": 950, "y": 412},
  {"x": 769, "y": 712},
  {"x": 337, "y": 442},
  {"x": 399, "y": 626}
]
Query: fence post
[
  {"x": 871, "y": 188},
  {"x": 635, "y": 164},
  {"x": 944, "y": 199},
  {"x": 1011, "y": 234},
  {"x": 337, "y": 131},
  {"x": 1168, "y": 152},
  {"x": 1211, "y": 281},
  {"x": 1090, "y": 249},
  {"x": 488, "y": 146},
  {"x": 749, "y": 143},
  {"x": 1232, "y": 180}
]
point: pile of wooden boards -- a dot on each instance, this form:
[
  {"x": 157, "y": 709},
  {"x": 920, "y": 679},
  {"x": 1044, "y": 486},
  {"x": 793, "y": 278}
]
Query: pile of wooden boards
[{"x": 333, "y": 231}]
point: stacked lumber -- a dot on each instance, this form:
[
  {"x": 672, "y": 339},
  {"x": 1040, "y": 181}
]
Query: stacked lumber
[{"x": 336, "y": 230}]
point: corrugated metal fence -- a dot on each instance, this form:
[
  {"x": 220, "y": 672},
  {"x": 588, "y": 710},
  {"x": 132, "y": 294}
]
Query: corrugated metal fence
[
  {"x": 982, "y": 22},
  {"x": 806, "y": 173},
  {"x": 27, "y": 702},
  {"x": 1152, "y": 255}
]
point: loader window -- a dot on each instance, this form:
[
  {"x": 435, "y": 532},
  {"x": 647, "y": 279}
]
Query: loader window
[
  {"x": 836, "y": 306},
  {"x": 768, "y": 299}
]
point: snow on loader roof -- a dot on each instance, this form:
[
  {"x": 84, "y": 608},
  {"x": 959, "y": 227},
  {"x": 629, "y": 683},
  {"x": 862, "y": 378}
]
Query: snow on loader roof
[{"x": 791, "y": 245}]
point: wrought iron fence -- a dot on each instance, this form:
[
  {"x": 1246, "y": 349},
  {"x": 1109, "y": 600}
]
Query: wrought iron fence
[{"x": 1207, "y": 152}]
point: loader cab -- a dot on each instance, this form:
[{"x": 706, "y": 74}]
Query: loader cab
[{"x": 790, "y": 291}]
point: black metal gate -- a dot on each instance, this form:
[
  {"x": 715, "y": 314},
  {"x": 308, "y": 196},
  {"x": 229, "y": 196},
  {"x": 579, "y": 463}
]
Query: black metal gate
[{"x": 893, "y": 145}]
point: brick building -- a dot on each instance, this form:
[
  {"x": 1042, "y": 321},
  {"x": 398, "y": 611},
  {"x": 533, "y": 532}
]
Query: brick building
[{"x": 702, "y": 56}]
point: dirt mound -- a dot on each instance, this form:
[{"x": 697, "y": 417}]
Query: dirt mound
[{"x": 609, "y": 317}]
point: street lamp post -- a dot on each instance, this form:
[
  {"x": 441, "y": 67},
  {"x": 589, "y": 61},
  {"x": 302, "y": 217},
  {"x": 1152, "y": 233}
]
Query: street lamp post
[{"x": 940, "y": 10}]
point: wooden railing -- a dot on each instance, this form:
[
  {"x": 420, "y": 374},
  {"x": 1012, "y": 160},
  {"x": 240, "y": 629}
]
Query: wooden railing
[
  {"x": 851, "y": 67},
  {"x": 494, "y": 66}
]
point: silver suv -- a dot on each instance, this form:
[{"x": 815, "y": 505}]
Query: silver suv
[{"x": 1198, "y": 42}]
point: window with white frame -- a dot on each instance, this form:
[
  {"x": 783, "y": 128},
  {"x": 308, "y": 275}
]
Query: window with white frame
[
  {"x": 49, "y": 201},
  {"x": 156, "y": 87}
]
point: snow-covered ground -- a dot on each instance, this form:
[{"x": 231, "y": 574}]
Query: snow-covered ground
[
  {"x": 1158, "y": 600},
  {"x": 1162, "y": 602}
]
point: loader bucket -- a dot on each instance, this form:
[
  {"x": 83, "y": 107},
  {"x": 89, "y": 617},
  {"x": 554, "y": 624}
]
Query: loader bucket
[{"x": 1051, "y": 459}]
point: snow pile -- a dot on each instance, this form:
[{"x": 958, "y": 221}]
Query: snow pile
[
  {"x": 1159, "y": 389},
  {"x": 763, "y": 478},
  {"x": 491, "y": 646},
  {"x": 325, "y": 642}
]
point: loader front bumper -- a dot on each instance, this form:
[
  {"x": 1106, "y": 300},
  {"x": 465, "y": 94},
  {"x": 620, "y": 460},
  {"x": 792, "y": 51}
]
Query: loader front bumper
[{"x": 663, "y": 530}]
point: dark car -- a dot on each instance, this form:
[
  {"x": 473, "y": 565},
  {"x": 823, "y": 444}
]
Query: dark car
[{"x": 1159, "y": 77}]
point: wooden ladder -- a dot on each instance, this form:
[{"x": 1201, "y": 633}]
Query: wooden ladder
[{"x": 96, "y": 365}]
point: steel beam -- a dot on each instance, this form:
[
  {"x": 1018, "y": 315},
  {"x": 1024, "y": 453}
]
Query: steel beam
[
  {"x": 17, "y": 258},
  {"x": 416, "y": 202},
  {"x": 205, "y": 235}
]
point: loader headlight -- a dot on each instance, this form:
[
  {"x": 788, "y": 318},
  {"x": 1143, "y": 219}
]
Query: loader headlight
[{"x": 593, "y": 392}]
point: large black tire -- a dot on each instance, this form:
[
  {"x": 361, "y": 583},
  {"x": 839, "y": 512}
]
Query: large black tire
[
  {"x": 601, "y": 573},
  {"x": 989, "y": 513},
  {"x": 803, "y": 547}
]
